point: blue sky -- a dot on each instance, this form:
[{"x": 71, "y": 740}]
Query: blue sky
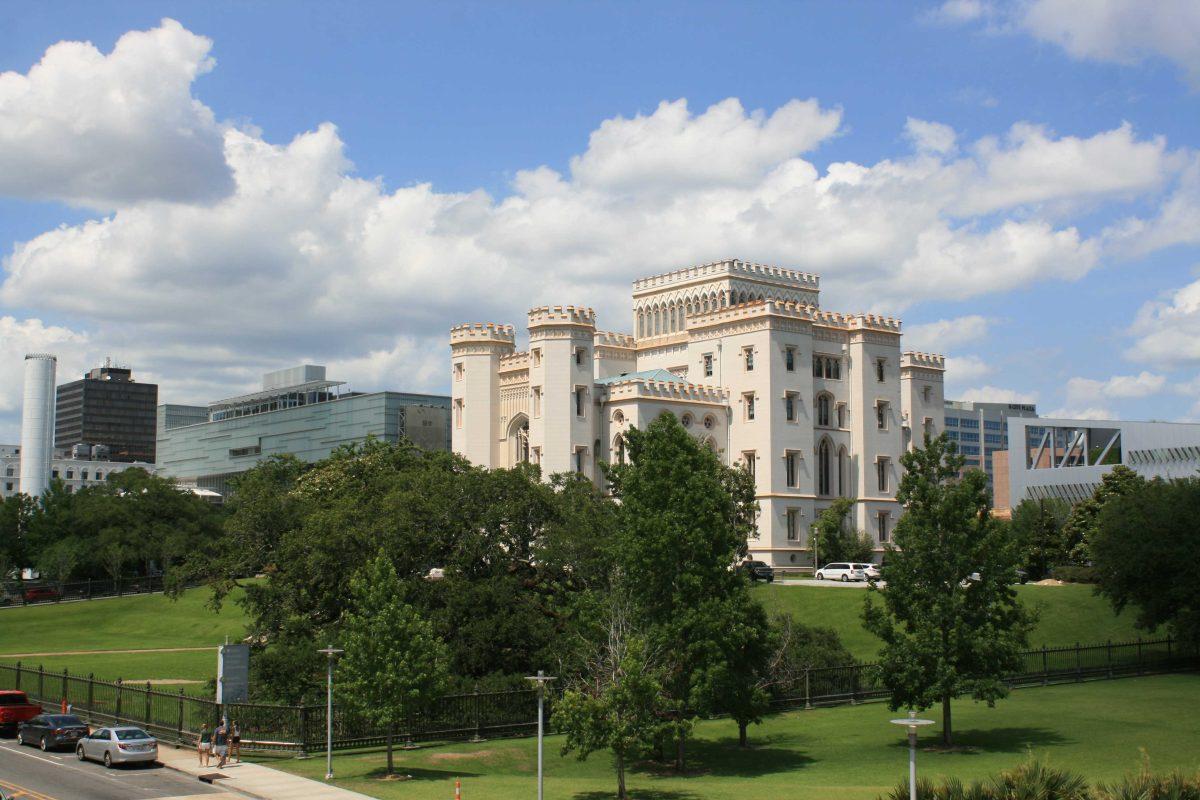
[{"x": 182, "y": 204}]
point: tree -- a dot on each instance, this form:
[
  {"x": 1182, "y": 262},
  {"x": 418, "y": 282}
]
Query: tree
[
  {"x": 833, "y": 540},
  {"x": 950, "y": 620},
  {"x": 684, "y": 519},
  {"x": 60, "y": 559},
  {"x": 1037, "y": 527},
  {"x": 394, "y": 666},
  {"x": 15, "y": 513},
  {"x": 616, "y": 702},
  {"x": 1083, "y": 521},
  {"x": 1140, "y": 531}
]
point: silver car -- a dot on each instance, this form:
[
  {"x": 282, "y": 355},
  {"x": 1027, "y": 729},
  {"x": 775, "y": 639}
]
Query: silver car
[{"x": 121, "y": 744}]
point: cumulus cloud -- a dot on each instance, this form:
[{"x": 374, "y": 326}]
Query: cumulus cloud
[
  {"x": 946, "y": 335},
  {"x": 1121, "y": 31},
  {"x": 996, "y": 394},
  {"x": 304, "y": 260},
  {"x": 1167, "y": 332},
  {"x": 1081, "y": 391},
  {"x": 957, "y": 12},
  {"x": 107, "y": 130},
  {"x": 1085, "y": 412},
  {"x": 965, "y": 369}
]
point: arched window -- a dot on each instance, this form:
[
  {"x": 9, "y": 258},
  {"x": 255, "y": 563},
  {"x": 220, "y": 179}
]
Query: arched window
[
  {"x": 618, "y": 449},
  {"x": 843, "y": 473},
  {"x": 824, "y": 468},
  {"x": 709, "y": 422},
  {"x": 518, "y": 436},
  {"x": 686, "y": 420},
  {"x": 618, "y": 416},
  {"x": 823, "y": 415}
]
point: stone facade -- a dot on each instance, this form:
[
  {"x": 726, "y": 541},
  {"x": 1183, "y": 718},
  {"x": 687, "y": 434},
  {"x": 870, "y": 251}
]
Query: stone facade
[{"x": 815, "y": 403}]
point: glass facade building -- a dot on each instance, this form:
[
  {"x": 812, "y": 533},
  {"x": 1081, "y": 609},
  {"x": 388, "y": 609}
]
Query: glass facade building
[
  {"x": 979, "y": 429},
  {"x": 108, "y": 408}
]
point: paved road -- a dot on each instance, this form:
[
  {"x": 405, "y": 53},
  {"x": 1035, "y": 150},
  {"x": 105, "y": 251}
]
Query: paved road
[{"x": 29, "y": 774}]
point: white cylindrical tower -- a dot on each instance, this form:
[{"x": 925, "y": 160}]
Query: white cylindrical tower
[{"x": 37, "y": 423}]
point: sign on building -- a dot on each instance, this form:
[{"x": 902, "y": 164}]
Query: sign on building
[{"x": 233, "y": 673}]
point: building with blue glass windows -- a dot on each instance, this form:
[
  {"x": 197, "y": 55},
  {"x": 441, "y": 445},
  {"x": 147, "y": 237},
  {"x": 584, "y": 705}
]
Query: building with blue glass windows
[{"x": 980, "y": 429}]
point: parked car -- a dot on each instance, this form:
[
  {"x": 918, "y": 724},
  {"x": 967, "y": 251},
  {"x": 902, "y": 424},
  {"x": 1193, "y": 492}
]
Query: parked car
[
  {"x": 34, "y": 594},
  {"x": 15, "y": 708},
  {"x": 871, "y": 571},
  {"x": 757, "y": 571},
  {"x": 123, "y": 744},
  {"x": 51, "y": 731},
  {"x": 841, "y": 571}
]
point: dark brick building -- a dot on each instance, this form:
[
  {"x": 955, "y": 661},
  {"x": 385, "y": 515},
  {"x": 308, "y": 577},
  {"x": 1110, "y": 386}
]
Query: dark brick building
[{"x": 107, "y": 407}]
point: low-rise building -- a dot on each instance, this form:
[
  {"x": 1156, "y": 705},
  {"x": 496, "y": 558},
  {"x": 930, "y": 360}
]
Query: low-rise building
[
  {"x": 76, "y": 470},
  {"x": 297, "y": 411}
]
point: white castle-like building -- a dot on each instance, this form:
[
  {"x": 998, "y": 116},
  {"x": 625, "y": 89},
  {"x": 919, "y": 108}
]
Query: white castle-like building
[{"x": 815, "y": 404}]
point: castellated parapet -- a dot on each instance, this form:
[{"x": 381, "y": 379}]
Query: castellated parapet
[
  {"x": 801, "y": 311},
  {"x": 667, "y": 390},
  {"x": 728, "y": 268},
  {"x": 621, "y": 341},
  {"x": 914, "y": 359},
  {"x": 482, "y": 333},
  {"x": 543, "y": 316}
]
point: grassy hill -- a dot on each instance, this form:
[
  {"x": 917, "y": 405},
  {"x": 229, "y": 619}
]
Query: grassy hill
[{"x": 1066, "y": 614}]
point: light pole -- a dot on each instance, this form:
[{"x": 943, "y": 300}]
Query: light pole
[
  {"x": 912, "y": 723},
  {"x": 541, "y": 679},
  {"x": 332, "y": 652}
]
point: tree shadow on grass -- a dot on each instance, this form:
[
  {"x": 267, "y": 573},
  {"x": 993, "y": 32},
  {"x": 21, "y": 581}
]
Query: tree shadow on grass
[
  {"x": 975, "y": 741},
  {"x": 418, "y": 774},
  {"x": 723, "y": 757}
]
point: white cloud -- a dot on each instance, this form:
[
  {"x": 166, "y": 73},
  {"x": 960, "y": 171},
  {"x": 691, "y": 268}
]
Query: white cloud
[
  {"x": 996, "y": 394},
  {"x": 966, "y": 369},
  {"x": 105, "y": 131},
  {"x": 957, "y": 12},
  {"x": 1087, "y": 412},
  {"x": 1081, "y": 391},
  {"x": 1121, "y": 31},
  {"x": 930, "y": 137},
  {"x": 1167, "y": 332},
  {"x": 1176, "y": 221},
  {"x": 945, "y": 335}
]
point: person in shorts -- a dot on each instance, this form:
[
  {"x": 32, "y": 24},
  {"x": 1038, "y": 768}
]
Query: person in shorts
[
  {"x": 204, "y": 745},
  {"x": 221, "y": 744}
]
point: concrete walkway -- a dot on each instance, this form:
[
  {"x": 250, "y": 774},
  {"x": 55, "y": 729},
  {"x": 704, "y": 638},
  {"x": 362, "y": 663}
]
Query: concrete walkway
[{"x": 254, "y": 780}]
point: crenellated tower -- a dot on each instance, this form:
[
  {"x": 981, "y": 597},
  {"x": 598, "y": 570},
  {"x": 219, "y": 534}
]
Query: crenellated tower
[
  {"x": 475, "y": 353},
  {"x": 562, "y": 424}
]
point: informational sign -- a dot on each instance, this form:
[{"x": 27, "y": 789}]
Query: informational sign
[{"x": 233, "y": 673}]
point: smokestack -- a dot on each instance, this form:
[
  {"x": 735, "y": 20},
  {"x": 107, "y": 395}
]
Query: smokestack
[{"x": 37, "y": 423}]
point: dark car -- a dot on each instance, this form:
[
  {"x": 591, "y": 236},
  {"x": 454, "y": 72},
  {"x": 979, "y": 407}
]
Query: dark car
[
  {"x": 757, "y": 571},
  {"x": 49, "y": 731},
  {"x": 36, "y": 593}
]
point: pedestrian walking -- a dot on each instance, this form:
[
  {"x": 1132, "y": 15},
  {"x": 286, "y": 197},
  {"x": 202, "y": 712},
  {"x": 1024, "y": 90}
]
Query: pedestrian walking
[
  {"x": 235, "y": 743},
  {"x": 204, "y": 744},
  {"x": 221, "y": 743}
]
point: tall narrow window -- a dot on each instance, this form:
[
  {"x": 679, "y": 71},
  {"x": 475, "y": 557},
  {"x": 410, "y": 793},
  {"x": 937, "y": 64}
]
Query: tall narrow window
[
  {"x": 458, "y": 371},
  {"x": 823, "y": 411},
  {"x": 881, "y": 470},
  {"x": 793, "y": 524},
  {"x": 818, "y": 366},
  {"x": 841, "y": 415},
  {"x": 789, "y": 359},
  {"x": 789, "y": 406},
  {"x": 580, "y": 452},
  {"x": 880, "y": 368},
  {"x": 884, "y": 533},
  {"x": 748, "y": 399},
  {"x": 537, "y": 401},
  {"x": 537, "y": 356},
  {"x": 881, "y": 415},
  {"x": 458, "y": 413},
  {"x": 580, "y": 399},
  {"x": 748, "y": 355},
  {"x": 843, "y": 473},
  {"x": 791, "y": 462},
  {"x": 835, "y": 369},
  {"x": 748, "y": 459},
  {"x": 579, "y": 353},
  {"x": 824, "y": 467},
  {"x": 708, "y": 365}
]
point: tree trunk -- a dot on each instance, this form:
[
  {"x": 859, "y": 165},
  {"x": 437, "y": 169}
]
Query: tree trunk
[
  {"x": 946, "y": 720},
  {"x": 679, "y": 754},
  {"x": 741, "y": 733},
  {"x": 621, "y": 778},
  {"x": 389, "y": 750}
]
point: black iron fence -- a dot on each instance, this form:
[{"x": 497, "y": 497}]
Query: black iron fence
[
  {"x": 177, "y": 717},
  {"x": 17, "y": 593}
]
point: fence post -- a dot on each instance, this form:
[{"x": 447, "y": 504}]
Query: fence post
[
  {"x": 64, "y": 684},
  {"x": 41, "y": 682},
  {"x": 1170, "y": 657},
  {"x": 1139, "y": 652},
  {"x": 117, "y": 710},
  {"x": 478, "y": 715},
  {"x": 148, "y": 699},
  {"x": 179, "y": 725},
  {"x": 304, "y": 731},
  {"x": 807, "y": 693},
  {"x": 18, "y": 679},
  {"x": 89, "y": 589},
  {"x": 1045, "y": 666},
  {"x": 853, "y": 684},
  {"x": 91, "y": 693},
  {"x": 1078, "y": 665},
  {"x": 1108, "y": 649}
]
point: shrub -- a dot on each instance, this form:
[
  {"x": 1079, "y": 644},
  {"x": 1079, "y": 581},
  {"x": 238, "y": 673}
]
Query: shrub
[
  {"x": 1146, "y": 786},
  {"x": 1032, "y": 779},
  {"x": 1074, "y": 574}
]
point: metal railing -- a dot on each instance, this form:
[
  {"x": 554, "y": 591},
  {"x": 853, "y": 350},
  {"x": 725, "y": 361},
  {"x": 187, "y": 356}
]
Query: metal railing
[
  {"x": 177, "y": 717},
  {"x": 26, "y": 593}
]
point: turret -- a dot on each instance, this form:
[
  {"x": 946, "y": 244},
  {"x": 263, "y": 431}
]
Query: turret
[
  {"x": 562, "y": 425},
  {"x": 475, "y": 353}
]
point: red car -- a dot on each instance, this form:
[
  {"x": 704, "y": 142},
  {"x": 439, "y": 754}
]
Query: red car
[
  {"x": 36, "y": 593},
  {"x": 15, "y": 708}
]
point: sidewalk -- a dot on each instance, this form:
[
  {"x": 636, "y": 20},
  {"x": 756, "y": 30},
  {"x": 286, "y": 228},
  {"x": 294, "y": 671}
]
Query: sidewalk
[{"x": 254, "y": 780}]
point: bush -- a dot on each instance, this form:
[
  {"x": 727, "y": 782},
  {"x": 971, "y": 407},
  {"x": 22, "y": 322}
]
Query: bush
[
  {"x": 1075, "y": 574},
  {"x": 1036, "y": 780},
  {"x": 1145, "y": 786}
]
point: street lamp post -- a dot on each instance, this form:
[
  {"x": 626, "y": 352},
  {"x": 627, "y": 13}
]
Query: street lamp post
[
  {"x": 541, "y": 679},
  {"x": 332, "y": 652},
  {"x": 911, "y": 723}
]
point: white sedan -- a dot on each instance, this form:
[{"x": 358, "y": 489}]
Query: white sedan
[{"x": 121, "y": 744}]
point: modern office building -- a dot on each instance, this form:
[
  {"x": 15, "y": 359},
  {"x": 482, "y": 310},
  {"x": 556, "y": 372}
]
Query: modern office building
[
  {"x": 75, "y": 473},
  {"x": 814, "y": 404},
  {"x": 297, "y": 411},
  {"x": 108, "y": 407},
  {"x": 979, "y": 429},
  {"x": 1070, "y": 456}
]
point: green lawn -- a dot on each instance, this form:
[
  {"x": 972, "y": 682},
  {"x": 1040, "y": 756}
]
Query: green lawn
[
  {"x": 135, "y": 667},
  {"x": 1067, "y": 614},
  {"x": 849, "y": 753}
]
